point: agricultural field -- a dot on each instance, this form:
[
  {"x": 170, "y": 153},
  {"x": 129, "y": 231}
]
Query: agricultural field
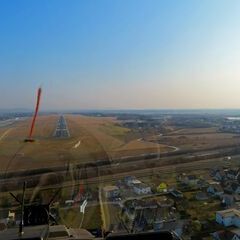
[{"x": 198, "y": 139}]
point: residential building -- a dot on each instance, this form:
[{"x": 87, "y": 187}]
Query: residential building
[
  {"x": 227, "y": 200},
  {"x": 155, "y": 214},
  {"x": 141, "y": 188},
  {"x": 162, "y": 187},
  {"x": 236, "y": 198},
  {"x": 233, "y": 174},
  {"x": 111, "y": 191},
  {"x": 236, "y": 232},
  {"x": 215, "y": 190},
  {"x": 176, "y": 193},
  {"x": 131, "y": 180},
  {"x": 229, "y": 217},
  {"x": 201, "y": 196},
  {"x": 233, "y": 187},
  {"x": 191, "y": 180},
  {"x": 226, "y": 235},
  {"x": 220, "y": 175}
]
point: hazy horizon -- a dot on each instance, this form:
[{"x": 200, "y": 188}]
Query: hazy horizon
[
  {"x": 229, "y": 111},
  {"x": 120, "y": 54}
]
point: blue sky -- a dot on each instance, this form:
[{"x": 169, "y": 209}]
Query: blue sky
[{"x": 113, "y": 54}]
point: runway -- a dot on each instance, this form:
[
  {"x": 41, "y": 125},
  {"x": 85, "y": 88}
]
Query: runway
[{"x": 61, "y": 129}]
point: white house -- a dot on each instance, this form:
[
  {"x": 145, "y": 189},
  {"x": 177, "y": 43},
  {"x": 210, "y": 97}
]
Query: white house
[
  {"x": 131, "y": 180},
  {"x": 229, "y": 217},
  {"x": 141, "y": 188}
]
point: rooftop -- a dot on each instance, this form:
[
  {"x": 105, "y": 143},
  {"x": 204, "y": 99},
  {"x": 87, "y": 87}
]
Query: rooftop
[
  {"x": 110, "y": 188},
  {"x": 236, "y": 231},
  {"x": 223, "y": 235},
  {"x": 191, "y": 177},
  {"x": 140, "y": 185},
  {"x": 235, "y": 186},
  {"x": 217, "y": 187},
  {"x": 229, "y": 212},
  {"x": 136, "y": 181}
]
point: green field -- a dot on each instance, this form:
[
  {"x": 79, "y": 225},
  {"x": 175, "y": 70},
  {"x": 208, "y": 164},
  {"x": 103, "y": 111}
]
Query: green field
[{"x": 73, "y": 218}]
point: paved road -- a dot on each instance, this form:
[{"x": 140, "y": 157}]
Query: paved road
[{"x": 61, "y": 129}]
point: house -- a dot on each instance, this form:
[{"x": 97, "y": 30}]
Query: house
[
  {"x": 141, "y": 188},
  {"x": 233, "y": 187},
  {"x": 140, "y": 212},
  {"x": 176, "y": 226},
  {"x": 111, "y": 191},
  {"x": 215, "y": 189},
  {"x": 236, "y": 198},
  {"x": 191, "y": 180},
  {"x": 153, "y": 214},
  {"x": 176, "y": 193},
  {"x": 181, "y": 176},
  {"x": 233, "y": 174},
  {"x": 131, "y": 180},
  {"x": 218, "y": 174},
  {"x": 229, "y": 217},
  {"x": 202, "y": 183},
  {"x": 213, "y": 171},
  {"x": 11, "y": 215},
  {"x": 165, "y": 202},
  {"x": 226, "y": 235},
  {"x": 201, "y": 196},
  {"x": 227, "y": 200},
  {"x": 162, "y": 187},
  {"x": 236, "y": 232}
]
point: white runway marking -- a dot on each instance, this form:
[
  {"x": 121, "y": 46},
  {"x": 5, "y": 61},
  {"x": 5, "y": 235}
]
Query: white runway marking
[
  {"x": 77, "y": 144},
  {"x": 83, "y": 206}
]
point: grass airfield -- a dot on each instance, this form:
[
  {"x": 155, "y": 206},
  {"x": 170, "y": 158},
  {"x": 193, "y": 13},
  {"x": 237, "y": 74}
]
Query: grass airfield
[{"x": 91, "y": 139}]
